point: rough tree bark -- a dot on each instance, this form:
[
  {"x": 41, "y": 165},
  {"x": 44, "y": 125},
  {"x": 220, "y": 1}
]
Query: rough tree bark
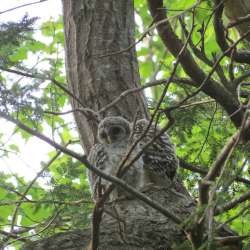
[{"x": 92, "y": 29}]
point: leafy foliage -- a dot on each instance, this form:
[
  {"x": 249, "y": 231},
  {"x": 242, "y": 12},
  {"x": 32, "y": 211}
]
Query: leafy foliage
[
  {"x": 58, "y": 198},
  {"x": 200, "y": 130}
]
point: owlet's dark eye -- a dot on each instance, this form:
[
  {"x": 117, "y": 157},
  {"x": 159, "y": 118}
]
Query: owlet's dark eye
[{"x": 115, "y": 130}]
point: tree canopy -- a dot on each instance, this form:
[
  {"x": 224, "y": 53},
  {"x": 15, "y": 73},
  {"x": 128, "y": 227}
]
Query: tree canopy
[{"x": 194, "y": 69}]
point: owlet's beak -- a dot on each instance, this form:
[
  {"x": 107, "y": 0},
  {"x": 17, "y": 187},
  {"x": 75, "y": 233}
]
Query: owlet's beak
[
  {"x": 107, "y": 136},
  {"x": 109, "y": 141}
]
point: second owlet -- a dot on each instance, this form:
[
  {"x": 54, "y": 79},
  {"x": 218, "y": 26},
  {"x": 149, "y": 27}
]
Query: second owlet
[{"x": 156, "y": 166}]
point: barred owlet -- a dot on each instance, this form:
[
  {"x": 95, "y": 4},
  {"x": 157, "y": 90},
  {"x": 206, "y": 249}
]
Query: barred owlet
[
  {"x": 115, "y": 137},
  {"x": 159, "y": 158}
]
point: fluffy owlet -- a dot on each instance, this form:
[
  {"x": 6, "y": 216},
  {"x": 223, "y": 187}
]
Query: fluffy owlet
[
  {"x": 157, "y": 163},
  {"x": 113, "y": 137}
]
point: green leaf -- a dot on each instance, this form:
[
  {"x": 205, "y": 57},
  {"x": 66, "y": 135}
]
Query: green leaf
[{"x": 14, "y": 147}]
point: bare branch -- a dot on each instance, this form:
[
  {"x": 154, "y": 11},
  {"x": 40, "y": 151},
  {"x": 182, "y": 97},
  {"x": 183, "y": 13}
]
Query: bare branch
[
  {"x": 232, "y": 204},
  {"x": 11, "y": 235},
  {"x": 230, "y": 240},
  {"x": 203, "y": 171},
  {"x": 208, "y": 132},
  {"x": 238, "y": 21},
  {"x": 240, "y": 213},
  {"x": 68, "y": 203},
  {"x": 216, "y": 168},
  {"x": 21, "y": 6}
]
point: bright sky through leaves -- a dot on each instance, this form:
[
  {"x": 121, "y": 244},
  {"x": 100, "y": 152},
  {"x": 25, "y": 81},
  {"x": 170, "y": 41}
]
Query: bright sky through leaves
[{"x": 27, "y": 162}]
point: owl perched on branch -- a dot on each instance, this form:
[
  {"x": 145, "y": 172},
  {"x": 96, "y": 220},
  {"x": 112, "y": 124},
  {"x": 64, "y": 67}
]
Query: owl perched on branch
[{"x": 156, "y": 165}]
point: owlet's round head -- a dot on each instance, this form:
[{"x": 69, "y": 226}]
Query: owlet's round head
[{"x": 113, "y": 129}]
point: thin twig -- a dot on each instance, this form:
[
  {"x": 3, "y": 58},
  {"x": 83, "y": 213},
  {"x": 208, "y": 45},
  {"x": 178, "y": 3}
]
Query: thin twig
[
  {"x": 203, "y": 171},
  {"x": 60, "y": 85},
  {"x": 208, "y": 132},
  {"x": 232, "y": 204},
  {"x": 238, "y": 21},
  {"x": 39, "y": 232},
  {"x": 240, "y": 213},
  {"x": 14, "y": 216},
  {"x": 144, "y": 86},
  {"x": 196, "y": 103},
  {"x": 70, "y": 203},
  {"x": 21, "y": 6}
]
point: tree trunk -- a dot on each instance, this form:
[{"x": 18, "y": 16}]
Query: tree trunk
[{"x": 92, "y": 29}]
